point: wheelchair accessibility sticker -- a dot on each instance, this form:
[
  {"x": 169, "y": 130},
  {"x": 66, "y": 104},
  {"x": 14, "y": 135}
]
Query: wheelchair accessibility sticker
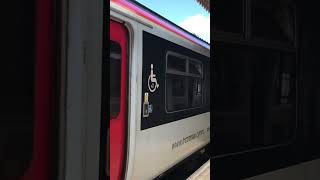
[{"x": 152, "y": 81}]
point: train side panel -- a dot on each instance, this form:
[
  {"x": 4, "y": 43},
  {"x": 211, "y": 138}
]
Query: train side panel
[
  {"x": 163, "y": 139},
  {"x": 157, "y": 139}
]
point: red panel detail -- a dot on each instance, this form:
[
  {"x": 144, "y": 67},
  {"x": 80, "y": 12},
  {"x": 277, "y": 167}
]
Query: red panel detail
[
  {"x": 141, "y": 12},
  {"x": 118, "y": 33},
  {"x": 39, "y": 166}
]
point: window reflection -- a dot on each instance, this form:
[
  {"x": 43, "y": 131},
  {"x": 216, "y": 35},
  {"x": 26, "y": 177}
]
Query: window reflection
[
  {"x": 273, "y": 19},
  {"x": 115, "y": 78},
  {"x": 183, "y": 87},
  {"x": 254, "y": 98}
]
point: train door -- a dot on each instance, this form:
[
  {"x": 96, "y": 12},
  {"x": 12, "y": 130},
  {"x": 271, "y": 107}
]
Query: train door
[{"x": 118, "y": 98}]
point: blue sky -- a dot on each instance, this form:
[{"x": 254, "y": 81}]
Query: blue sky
[{"x": 186, "y": 13}]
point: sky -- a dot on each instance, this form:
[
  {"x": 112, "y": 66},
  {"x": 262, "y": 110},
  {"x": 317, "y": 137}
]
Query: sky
[{"x": 188, "y": 14}]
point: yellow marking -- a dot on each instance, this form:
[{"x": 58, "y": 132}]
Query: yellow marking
[{"x": 146, "y": 97}]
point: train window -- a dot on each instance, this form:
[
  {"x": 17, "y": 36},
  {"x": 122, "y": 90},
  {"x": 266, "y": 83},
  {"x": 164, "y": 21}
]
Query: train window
[
  {"x": 183, "y": 85},
  {"x": 285, "y": 87},
  {"x": 228, "y": 16},
  {"x": 115, "y": 78},
  {"x": 176, "y": 92},
  {"x": 195, "y": 92},
  {"x": 254, "y": 97},
  {"x": 273, "y": 19},
  {"x": 176, "y": 64},
  {"x": 195, "y": 83},
  {"x": 206, "y": 88},
  {"x": 274, "y": 96},
  {"x": 195, "y": 68},
  {"x": 17, "y": 73}
]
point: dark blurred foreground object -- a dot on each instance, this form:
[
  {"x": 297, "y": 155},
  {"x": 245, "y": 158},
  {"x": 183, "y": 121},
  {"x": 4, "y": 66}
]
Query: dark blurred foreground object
[{"x": 17, "y": 88}]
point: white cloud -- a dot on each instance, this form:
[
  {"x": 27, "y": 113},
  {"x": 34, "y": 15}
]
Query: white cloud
[{"x": 199, "y": 25}]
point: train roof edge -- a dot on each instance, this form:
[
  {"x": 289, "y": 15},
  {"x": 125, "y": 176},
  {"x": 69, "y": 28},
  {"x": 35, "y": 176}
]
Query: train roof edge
[{"x": 156, "y": 15}]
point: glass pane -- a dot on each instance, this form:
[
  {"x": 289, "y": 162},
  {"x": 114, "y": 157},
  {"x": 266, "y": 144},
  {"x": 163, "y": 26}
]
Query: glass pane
[
  {"x": 273, "y": 20},
  {"x": 228, "y": 16},
  {"x": 195, "y": 92},
  {"x": 195, "y": 68},
  {"x": 206, "y": 87},
  {"x": 274, "y": 94},
  {"x": 115, "y": 78},
  {"x": 176, "y": 64},
  {"x": 254, "y": 98},
  {"x": 176, "y": 92}
]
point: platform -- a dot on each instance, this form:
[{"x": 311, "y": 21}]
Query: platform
[{"x": 203, "y": 173}]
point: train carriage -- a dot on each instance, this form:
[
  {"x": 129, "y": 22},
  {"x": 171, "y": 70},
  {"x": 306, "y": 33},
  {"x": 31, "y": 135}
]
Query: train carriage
[{"x": 159, "y": 94}]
